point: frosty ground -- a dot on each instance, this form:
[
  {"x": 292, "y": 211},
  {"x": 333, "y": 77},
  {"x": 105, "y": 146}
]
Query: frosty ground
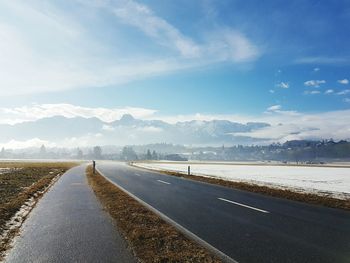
[{"x": 330, "y": 181}]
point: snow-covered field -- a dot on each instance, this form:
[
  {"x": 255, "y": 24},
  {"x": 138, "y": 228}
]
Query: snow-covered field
[{"x": 320, "y": 180}]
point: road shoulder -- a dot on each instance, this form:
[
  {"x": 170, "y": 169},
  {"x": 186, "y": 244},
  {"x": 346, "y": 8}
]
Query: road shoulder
[{"x": 152, "y": 238}]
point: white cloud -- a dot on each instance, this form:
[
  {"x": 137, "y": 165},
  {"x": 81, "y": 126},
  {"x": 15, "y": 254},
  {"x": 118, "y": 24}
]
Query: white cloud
[
  {"x": 231, "y": 45},
  {"x": 274, "y": 108},
  {"x": 106, "y": 127},
  {"x": 311, "y": 92},
  {"x": 329, "y": 91},
  {"x": 316, "y": 69},
  {"x": 344, "y": 92},
  {"x": 150, "y": 129},
  {"x": 35, "y": 142},
  {"x": 283, "y": 85},
  {"x": 347, "y": 100},
  {"x": 271, "y": 91},
  {"x": 223, "y": 44},
  {"x": 47, "y": 49},
  {"x": 39, "y": 111},
  {"x": 322, "y": 60},
  {"x": 42, "y": 51},
  {"x": 204, "y": 117},
  {"x": 343, "y": 81},
  {"x": 297, "y": 126},
  {"x": 314, "y": 83},
  {"x": 142, "y": 17},
  {"x": 285, "y": 125}
]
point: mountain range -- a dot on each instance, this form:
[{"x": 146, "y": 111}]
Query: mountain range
[{"x": 128, "y": 130}]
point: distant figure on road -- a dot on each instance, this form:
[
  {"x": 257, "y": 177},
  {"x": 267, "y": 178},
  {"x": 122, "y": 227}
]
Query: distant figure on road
[{"x": 93, "y": 166}]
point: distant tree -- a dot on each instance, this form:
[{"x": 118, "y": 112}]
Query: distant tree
[
  {"x": 42, "y": 151},
  {"x": 154, "y": 155},
  {"x": 128, "y": 154},
  {"x": 79, "y": 153},
  {"x": 148, "y": 155},
  {"x": 2, "y": 153},
  {"x": 97, "y": 152},
  {"x": 174, "y": 157}
]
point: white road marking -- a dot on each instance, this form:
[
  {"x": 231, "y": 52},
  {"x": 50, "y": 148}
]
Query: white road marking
[
  {"x": 247, "y": 206},
  {"x": 138, "y": 174},
  {"x": 163, "y": 182}
]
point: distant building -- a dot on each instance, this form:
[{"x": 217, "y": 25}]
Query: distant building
[{"x": 175, "y": 157}]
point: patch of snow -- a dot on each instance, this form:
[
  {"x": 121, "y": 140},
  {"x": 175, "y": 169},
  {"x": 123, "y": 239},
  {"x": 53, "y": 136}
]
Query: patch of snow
[
  {"x": 18, "y": 219},
  {"x": 5, "y": 170},
  {"x": 331, "y": 181}
]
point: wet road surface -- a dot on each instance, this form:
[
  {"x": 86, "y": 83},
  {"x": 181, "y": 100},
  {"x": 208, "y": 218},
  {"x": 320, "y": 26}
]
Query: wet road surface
[
  {"x": 246, "y": 226},
  {"x": 69, "y": 225}
]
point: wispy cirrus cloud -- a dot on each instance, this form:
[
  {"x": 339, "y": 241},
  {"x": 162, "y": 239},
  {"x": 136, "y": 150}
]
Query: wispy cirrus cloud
[
  {"x": 283, "y": 85},
  {"x": 312, "y": 92},
  {"x": 344, "y": 92},
  {"x": 223, "y": 44},
  {"x": 142, "y": 17},
  {"x": 314, "y": 83},
  {"x": 322, "y": 60},
  {"x": 48, "y": 48},
  {"x": 274, "y": 108},
  {"x": 329, "y": 91}
]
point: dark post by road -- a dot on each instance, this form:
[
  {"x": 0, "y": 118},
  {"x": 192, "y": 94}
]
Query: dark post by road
[
  {"x": 189, "y": 170},
  {"x": 94, "y": 167}
]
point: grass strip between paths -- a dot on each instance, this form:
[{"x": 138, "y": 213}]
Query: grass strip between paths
[
  {"x": 270, "y": 191},
  {"x": 150, "y": 237}
]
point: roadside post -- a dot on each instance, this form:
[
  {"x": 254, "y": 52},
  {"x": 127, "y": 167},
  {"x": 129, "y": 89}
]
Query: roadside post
[
  {"x": 94, "y": 167},
  {"x": 189, "y": 170}
]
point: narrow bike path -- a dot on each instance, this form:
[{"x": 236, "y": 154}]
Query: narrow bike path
[{"x": 69, "y": 225}]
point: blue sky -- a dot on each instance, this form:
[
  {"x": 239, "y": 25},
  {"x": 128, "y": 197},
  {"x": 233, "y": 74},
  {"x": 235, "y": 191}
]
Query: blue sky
[{"x": 241, "y": 60}]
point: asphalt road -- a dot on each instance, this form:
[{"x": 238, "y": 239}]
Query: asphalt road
[
  {"x": 246, "y": 226},
  {"x": 69, "y": 225}
]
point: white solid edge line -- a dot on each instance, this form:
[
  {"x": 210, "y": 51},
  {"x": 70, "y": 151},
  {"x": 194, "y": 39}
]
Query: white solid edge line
[
  {"x": 163, "y": 182},
  {"x": 185, "y": 231},
  {"x": 247, "y": 206}
]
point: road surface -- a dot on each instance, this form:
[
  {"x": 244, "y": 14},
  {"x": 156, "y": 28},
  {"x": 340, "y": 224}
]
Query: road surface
[
  {"x": 246, "y": 226},
  {"x": 69, "y": 225}
]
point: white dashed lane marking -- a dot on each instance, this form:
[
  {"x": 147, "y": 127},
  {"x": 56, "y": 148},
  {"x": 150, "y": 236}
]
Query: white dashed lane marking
[
  {"x": 243, "y": 205},
  {"x": 163, "y": 182}
]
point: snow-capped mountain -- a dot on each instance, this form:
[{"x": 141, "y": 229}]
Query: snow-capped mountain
[{"x": 128, "y": 130}]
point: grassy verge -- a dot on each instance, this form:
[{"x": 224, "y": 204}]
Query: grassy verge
[
  {"x": 150, "y": 237},
  {"x": 20, "y": 182},
  {"x": 275, "y": 192}
]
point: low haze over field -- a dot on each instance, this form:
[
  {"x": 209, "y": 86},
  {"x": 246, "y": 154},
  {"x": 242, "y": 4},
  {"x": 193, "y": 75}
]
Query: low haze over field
[{"x": 115, "y": 72}]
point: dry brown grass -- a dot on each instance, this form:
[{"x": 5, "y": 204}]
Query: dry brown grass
[
  {"x": 29, "y": 164},
  {"x": 22, "y": 182},
  {"x": 275, "y": 192},
  {"x": 150, "y": 237}
]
